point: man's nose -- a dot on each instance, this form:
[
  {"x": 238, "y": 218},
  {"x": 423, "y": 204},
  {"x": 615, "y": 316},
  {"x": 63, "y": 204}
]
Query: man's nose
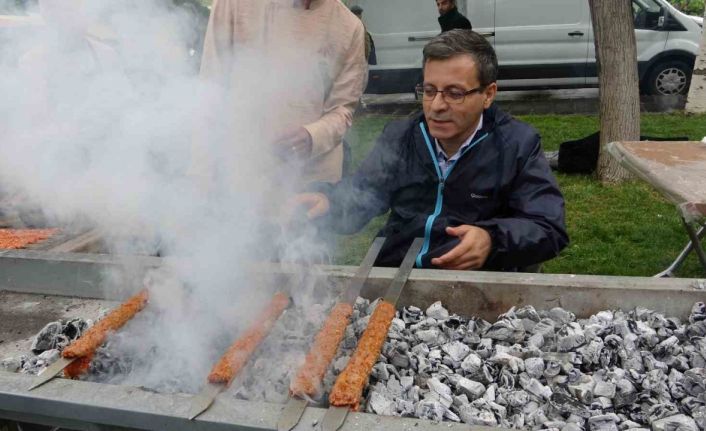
[{"x": 439, "y": 102}]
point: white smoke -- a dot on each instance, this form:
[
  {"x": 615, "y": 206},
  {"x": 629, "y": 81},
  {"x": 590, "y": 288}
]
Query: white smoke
[{"x": 100, "y": 113}]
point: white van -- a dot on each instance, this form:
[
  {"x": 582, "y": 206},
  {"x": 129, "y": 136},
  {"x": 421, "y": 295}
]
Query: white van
[{"x": 539, "y": 43}]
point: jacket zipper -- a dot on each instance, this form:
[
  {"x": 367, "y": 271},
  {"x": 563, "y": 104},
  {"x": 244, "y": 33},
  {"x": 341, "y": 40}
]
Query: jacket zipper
[{"x": 439, "y": 191}]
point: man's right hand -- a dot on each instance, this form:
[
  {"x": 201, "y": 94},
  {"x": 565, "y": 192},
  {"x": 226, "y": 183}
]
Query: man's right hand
[{"x": 315, "y": 205}]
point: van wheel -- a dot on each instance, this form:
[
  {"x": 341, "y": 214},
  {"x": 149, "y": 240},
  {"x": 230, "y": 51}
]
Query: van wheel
[{"x": 669, "y": 78}]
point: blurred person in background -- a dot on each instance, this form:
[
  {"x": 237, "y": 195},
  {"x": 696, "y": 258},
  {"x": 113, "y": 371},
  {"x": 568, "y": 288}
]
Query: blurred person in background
[
  {"x": 303, "y": 63},
  {"x": 369, "y": 42},
  {"x": 449, "y": 16}
]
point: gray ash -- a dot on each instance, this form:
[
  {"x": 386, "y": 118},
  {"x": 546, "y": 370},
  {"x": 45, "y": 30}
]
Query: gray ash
[
  {"x": 534, "y": 369},
  {"x": 47, "y": 346}
]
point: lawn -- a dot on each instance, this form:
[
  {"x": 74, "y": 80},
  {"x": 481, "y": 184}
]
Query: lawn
[{"x": 614, "y": 230}]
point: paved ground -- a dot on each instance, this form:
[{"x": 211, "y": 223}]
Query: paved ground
[{"x": 576, "y": 101}]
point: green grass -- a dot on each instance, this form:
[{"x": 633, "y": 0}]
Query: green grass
[{"x": 615, "y": 230}]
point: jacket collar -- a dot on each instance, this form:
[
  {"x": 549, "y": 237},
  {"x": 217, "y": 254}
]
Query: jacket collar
[{"x": 492, "y": 117}]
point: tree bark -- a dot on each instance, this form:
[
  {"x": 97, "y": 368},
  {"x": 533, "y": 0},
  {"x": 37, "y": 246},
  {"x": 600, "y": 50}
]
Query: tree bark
[
  {"x": 696, "y": 101},
  {"x": 616, "y": 58}
]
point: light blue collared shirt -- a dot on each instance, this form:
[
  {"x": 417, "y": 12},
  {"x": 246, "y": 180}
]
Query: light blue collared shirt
[{"x": 444, "y": 161}]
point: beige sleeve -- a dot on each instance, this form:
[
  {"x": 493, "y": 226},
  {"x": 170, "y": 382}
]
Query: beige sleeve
[
  {"x": 218, "y": 43},
  {"x": 327, "y": 132}
]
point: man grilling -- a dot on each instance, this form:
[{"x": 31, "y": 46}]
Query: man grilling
[{"x": 468, "y": 178}]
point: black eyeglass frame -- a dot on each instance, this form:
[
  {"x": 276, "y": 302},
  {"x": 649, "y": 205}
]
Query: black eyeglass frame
[{"x": 419, "y": 90}]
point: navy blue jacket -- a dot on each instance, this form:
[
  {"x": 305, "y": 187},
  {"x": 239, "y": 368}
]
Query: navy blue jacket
[{"x": 501, "y": 182}]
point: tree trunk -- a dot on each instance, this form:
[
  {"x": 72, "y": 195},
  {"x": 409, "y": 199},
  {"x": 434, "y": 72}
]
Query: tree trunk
[
  {"x": 616, "y": 58},
  {"x": 696, "y": 103}
]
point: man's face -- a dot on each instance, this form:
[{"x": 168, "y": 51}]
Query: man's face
[
  {"x": 444, "y": 6},
  {"x": 449, "y": 121}
]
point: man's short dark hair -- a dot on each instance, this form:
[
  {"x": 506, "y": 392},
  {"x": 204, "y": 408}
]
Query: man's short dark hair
[
  {"x": 465, "y": 42},
  {"x": 357, "y": 10}
]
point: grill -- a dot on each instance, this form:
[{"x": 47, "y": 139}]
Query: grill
[{"x": 37, "y": 286}]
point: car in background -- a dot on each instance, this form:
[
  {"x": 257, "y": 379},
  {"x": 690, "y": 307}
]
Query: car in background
[{"x": 540, "y": 43}]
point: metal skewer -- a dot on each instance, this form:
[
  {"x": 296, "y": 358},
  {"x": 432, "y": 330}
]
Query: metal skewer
[
  {"x": 51, "y": 371},
  {"x": 293, "y": 411},
  {"x": 336, "y": 415}
]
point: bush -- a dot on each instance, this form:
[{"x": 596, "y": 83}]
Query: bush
[{"x": 690, "y": 7}]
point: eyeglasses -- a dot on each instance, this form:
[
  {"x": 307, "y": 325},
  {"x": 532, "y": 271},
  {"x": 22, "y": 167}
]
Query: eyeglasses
[{"x": 452, "y": 95}]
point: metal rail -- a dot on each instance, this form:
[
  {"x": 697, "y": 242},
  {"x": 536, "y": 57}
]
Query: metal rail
[{"x": 94, "y": 406}]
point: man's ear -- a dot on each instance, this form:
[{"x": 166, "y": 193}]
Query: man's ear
[{"x": 489, "y": 93}]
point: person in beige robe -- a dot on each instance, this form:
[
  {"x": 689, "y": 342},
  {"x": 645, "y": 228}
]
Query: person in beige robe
[{"x": 304, "y": 60}]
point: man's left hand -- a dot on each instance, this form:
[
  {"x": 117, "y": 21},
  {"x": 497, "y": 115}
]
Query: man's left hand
[
  {"x": 294, "y": 144},
  {"x": 470, "y": 253}
]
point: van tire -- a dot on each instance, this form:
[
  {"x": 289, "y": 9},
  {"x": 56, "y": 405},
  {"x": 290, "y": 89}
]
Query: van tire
[{"x": 668, "y": 78}]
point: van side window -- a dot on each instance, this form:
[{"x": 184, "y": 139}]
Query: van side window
[{"x": 646, "y": 14}]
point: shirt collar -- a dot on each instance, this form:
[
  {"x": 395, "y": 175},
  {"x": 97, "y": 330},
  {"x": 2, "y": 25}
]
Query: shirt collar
[{"x": 442, "y": 154}]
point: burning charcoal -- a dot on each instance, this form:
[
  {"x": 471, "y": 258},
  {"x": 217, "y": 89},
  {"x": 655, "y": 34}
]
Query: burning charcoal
[
  {"x": 46, "y": 339},
  {"x": 400, "y": 360},
  {"x": 359, "y": 325},
  {"x": 340, "y": 364},
  {"x": 75, "y": 328},
  {"x": 453, "y": 417},
  {"x": 534, "y": 367},
  {"x": 48, "y": 357},
  {"x": 472, "y": 416},
  {"x": 394, "y": 387},
  {"x": 517, "y": 399},
  {"x": 534, "y": 387},
  {"x": 460, "y": 401},
  {"x": 471, "y": 364},
  {"x": 431, "y": 337},
  {"x": 572, "y": 427},
  {"x": 11, "y": 365},
  {"x": 485, "y": 348},
  {"x": 561, "y": 316},
  {"x": 583, "y": 389},
  {"x": 380, "y": 372},
  {"x": 607, "y": 422},
  {"x": 694, "y": 382},
  {"x": 514, "y": 363},
  {"x": 405, "y": 408},
  {"x": 379, "y": 404},
  {"x": 604, "y": 389},
  {"x": 562, "y": 401},
  {"x": 456, "y": 350},
  {"x": 430, "y": 409},
  {"x": 437, "y": 311},
  {"x": 536, "y": 341},
  {"x": 570, "y": 337},
  {"x": 471, "y": 389},
  {"x": 406, "y": 382},
  {"x": 508, "y": 330},
  {"x": 675, "y": 423},
  {"x": 397, "y": 324},
  {"x": 601, "y": 404},
  {"x": 625, "y": 393},
  {"x": 435, "y": 385},
  {"x": 698, "y": 313},
  {"x": 421, "y": 349},
  {"x": 699, "y": 415},
  {"x": 411, "y": 315}
]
